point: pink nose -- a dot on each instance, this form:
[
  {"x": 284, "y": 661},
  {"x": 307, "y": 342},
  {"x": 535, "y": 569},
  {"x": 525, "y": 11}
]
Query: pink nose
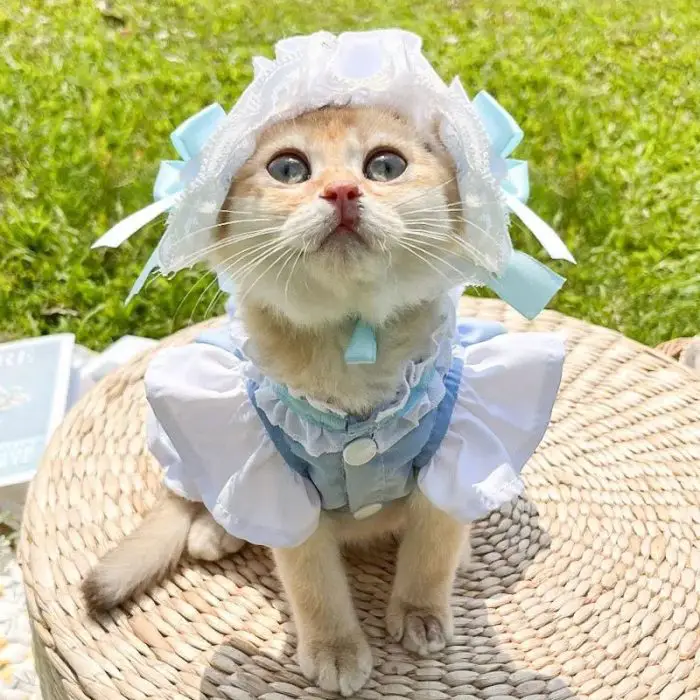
[
  {"x": 344, "y": 196},
  {"x": 341, "y": 191}
]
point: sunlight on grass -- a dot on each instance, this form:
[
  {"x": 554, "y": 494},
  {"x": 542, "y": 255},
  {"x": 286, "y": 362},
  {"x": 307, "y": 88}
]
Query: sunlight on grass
[{"x": 606, "y": 92}]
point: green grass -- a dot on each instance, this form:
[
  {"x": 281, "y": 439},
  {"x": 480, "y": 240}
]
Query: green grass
[{"x": 606, "y": 91}]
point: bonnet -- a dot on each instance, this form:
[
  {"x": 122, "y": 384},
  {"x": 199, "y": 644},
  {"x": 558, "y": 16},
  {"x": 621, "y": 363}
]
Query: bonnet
[{"x": 375, "y": 68}]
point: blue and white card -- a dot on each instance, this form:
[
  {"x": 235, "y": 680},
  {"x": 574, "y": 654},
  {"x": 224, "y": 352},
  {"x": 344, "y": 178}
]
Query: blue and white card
[{"x": 35, "y": 376}]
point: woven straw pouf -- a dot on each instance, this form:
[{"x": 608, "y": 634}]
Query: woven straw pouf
[{"x": 588, "y": 588}]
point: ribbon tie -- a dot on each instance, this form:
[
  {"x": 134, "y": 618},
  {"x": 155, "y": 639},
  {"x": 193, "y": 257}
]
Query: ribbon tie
[
  {"x": 526, "y": 284},
  {"x": 172, "y": 178}
]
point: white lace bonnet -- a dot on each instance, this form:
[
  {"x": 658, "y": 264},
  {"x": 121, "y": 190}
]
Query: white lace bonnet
[{"x": 381, "y": 67}]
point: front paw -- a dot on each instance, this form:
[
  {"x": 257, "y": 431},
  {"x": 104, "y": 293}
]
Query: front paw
[
  {"x": 338, "y": 665},
  {"x": 421, "y": 630}
]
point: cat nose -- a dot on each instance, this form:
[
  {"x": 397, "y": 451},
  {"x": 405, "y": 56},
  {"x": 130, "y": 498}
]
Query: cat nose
[
  {"x": 344, "y": 196},
  {"x": 340, "y": 192}
]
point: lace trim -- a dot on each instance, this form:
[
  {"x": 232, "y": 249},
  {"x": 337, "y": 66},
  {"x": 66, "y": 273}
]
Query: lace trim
[
  {"x": 383, "y": 68},
  {"x": 322, "y": 428}
]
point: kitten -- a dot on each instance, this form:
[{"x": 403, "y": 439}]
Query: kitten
[{"x": 340, "y": 213}]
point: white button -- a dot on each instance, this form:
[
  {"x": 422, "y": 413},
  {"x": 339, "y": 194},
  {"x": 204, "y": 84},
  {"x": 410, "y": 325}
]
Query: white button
[
  {"x": 360, "y": 451},
  {"x": 367, "y": 511}
]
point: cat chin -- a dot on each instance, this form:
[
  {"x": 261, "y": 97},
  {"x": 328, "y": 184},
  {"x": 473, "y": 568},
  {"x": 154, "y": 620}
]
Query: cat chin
[{"x": 308, "y": 304}]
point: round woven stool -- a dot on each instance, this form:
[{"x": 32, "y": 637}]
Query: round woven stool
[{"x": 587, "y": 588}]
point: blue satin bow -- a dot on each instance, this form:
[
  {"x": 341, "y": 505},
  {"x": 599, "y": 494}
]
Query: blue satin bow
[
  {"x": 526, "y": 284},
  {"x": 505, "y": 135},
  {"x": 188, "y": 140},
  {"x": 173, "y": 176}
]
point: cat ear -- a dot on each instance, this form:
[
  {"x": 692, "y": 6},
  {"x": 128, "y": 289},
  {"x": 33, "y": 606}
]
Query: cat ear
[{"x": 434, "y": 145}]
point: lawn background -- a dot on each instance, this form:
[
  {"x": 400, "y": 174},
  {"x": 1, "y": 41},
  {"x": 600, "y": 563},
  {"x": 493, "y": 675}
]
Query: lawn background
[{"x": 605, "y": 90}]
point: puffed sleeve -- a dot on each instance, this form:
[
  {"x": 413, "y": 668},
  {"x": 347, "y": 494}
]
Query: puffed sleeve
[
  {"x": 207, "y": 436},
  {"x": 502, "y": 410}
]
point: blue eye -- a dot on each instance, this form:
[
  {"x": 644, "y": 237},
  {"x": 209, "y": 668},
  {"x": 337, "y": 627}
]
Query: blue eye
[
  {"x": 383, "y": 166},
  {"x": 289, "y": 168}
]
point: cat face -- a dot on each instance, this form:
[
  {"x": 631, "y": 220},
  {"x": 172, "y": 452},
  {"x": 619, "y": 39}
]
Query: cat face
[{"x": 342, "y": 211}]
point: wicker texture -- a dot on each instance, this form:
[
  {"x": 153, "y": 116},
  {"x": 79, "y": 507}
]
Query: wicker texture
[{"x": 587, "y": 589}]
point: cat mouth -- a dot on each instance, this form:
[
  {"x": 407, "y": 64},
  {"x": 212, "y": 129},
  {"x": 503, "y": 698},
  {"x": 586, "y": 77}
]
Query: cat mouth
[{"x": 342, "y": 237}]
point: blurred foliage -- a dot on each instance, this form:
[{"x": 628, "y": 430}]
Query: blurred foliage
[{"x": 605, "y": 90}]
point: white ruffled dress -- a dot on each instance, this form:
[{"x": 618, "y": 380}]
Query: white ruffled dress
[{"x": 266, "y": 461}]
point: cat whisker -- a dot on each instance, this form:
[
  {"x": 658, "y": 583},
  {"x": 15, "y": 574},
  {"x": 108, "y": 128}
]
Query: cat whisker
[
  {"x": 448, "y": 207},
  {"x": 460, "y": 219},
  {"x": 230, "y": 263},
  {"x": 417, "y": 252},
  {"x": 433, "y": 214},
  {"x": 204, "y": 229},
  {"x": 444, "y": 221},
  {"x": 199, "y": 256},
  {"x": 437, "y": 235},
  {"x": 474, "y": 255},
  {"x": 199, "y": 299},
  {"x": 241, "y": 274},
  {"x": 201, "y": 277},
  {"x": 239, "y": 256},
  {"x": 271, "y": 217},
  {"x": 447, "y": 234},
  {"x": 254, "y": 253},
  {"x": 469, "y": 222},
  {"x": 262, "y": 274},
  {"x": 287, "y": 258},
  {"x": 227, "y": 265},
  {"x": 486, "y": 200},
  {"x": 219, "y": 225},
  {"x": 383, "y": 247},
  {"x": 212, "y": 303},
  {"x": 459, "y": 272},
  {"x": 431, "y": 223},
  {"x": 290, "y": 275},
  {"x": 302, "y": 252},
  {"x": 419, "y": 241},
  {"x": 424, "y": 193}
]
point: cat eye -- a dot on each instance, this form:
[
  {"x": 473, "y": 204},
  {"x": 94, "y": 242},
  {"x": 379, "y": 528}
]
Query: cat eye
[
  {"x": 289, "y": 168},
  {"x": 383, "y": 166}
]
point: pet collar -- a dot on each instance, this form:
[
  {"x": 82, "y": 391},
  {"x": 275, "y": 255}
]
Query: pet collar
[{"x": 381, "y": 68}]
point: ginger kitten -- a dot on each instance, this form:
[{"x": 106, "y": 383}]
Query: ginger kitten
[{"x": 339, "y": 214}]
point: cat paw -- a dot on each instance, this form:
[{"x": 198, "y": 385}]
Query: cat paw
[
  {"x": 421, "y": 631},
  {"x": 209, "y": 541},
  {"x": 337, "y": 665}
]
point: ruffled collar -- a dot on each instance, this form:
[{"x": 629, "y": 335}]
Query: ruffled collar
[
  {"x": 321, "y": 427},
  {"x": 417, "y": 374}
]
